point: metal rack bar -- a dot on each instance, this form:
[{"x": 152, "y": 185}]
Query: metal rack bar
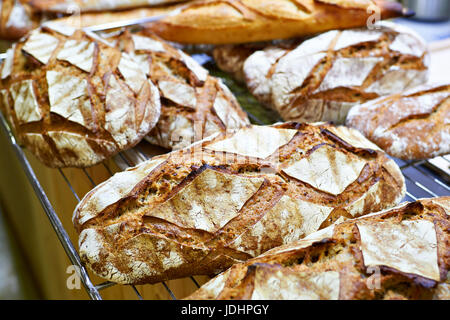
[
  {"x": 89, "y": 177},
  {"x": 50, "y": 212}
]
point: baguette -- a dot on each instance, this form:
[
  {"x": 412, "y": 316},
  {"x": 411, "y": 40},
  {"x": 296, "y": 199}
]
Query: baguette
[
  {"x": 401, "y": 253},
  {"x": 241, "y": 21},
  {"x": 229, "y": 198},
  {"x": 73, "y": 99},
  {"x": 411, "y": 125},
  {"x": 194, "y": 103},
  {"x": 324, "y": 76}
]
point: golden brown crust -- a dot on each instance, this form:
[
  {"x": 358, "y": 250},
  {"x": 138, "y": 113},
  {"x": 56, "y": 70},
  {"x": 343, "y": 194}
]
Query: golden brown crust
[
  {"x": 73, "y": 99},
  {"x": 411, "y": 125},
  {"x": 324, "y": 76},
  {"x": 229, "y": 198},
  {"x": 16, "y": 19},
  {"x": 194, "y": 103},
  {"x": 240, "y": 21},
  {"x": 64, "y": 6},
  {"x": 401, "y": 253}
]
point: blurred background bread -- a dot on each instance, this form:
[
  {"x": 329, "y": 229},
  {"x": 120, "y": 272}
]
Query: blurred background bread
[
  {"x": 201, "y": 209},
  {"x": 397, "y": 254},
  {"x": 65, "y": 6},
  {"x": 410, "y": 125},
  {"x": 239, "y": 21},
  {"x": 73, "y": 99},
  {"x": 322, "y": 77}
]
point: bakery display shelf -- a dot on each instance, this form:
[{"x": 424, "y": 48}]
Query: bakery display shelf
[{"x": 425, "y": 178}]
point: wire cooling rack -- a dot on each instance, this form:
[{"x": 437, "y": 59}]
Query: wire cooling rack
[{"x": 424, "y": 179}]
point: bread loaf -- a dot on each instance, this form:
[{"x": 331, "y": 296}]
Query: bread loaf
[
  {"x": 73, "y": 99},
  {"x": 241, "y": 21},
  {"x": 229, "y": 198},
  {"x": 411, "y": 125},
  {"x": 194, "y": 103},
  {"x": 322, "y": 78},
  {"x": 401, "y": 253},
  {"x": 89, "y": 19},
  {"x": 231, "y": 58},
  {"x": 65, "y": 6},
  {"x": 16, "y": 19}
]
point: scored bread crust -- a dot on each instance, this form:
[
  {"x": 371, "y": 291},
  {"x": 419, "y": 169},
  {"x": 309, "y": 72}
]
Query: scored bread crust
[
  {"x": 400, "y": 253},
  {"x": 241, "y": 21},
  {"x": 73, "y": 99},
  {"x": 410, "y": 125},
  {"x": 68, "y": 6},
  {"x": 229, "y": 198},
  {"x": 323, "y": 77},
  {"x": 231, "y": 58},
  {"x": 16, "y": 19},
  {"x": 195, "y": 104}
]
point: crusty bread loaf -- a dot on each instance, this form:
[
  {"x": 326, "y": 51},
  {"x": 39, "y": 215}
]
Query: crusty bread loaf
[
  {"x": 230, "y": 197},
  {"x": 194, "y": 103},
  {"x": 16, "y": 19},
  {"x": 402, "y": 253},
  {"x": 411, "y": 125},
  {"x": 241, "y": 21},
  {"x": 88, "y": 19},
  {"x": 73, "y": 99},
  {"x": 323, "y": 77},
  {"x": 231, "y": 58},
  {"x": 65, "y": 6}
]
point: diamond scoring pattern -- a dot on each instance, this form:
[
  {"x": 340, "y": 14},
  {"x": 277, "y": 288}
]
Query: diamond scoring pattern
[{"x": 259, "y": 208}]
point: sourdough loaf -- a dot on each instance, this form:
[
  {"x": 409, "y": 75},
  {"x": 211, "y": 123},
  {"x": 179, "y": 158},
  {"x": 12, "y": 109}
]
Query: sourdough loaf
[
  {"x": 16, "y": 19},
  {"x": 411, "y": 125},
  {"x": 230, "y": 58},
  {"x": 401, "y": 253},
  {"x": 194, "y": 103},
  {"x": 68, "y": 6},
  {"x": 229, "y": 198},
  {"x": 322, "y": 78},
  {"x": 241, "y": 21},
  {"x": 89, "y": 19},
  {"x": 73, "y": 99}
]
